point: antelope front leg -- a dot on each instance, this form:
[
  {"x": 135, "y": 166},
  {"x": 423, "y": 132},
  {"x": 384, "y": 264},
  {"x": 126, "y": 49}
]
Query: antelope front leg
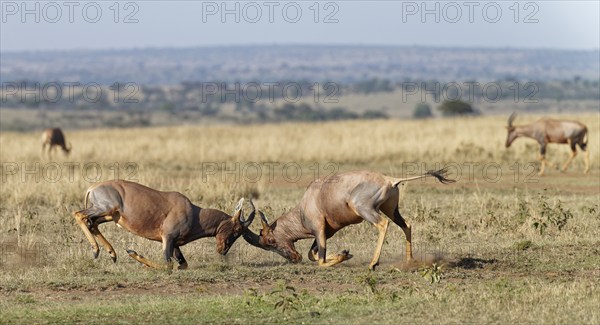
[
  {"x": 543, "y": 159},
  {"x": 313, "y": 253},
  {"x": 323, "y": 260},
  {"x": 82, "y": 221},
  {"x": 133, "y": 254}
]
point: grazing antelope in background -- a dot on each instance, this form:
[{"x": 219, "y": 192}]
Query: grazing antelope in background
[
  {"x": 332, "y": 203},
  {"x": 546, "y": 131},
  {"x": 168, "y": 217},
  {"x": 54, "y": 137}
]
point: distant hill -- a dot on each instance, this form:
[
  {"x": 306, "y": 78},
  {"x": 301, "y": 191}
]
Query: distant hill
[{"x": 343, "y": 64}]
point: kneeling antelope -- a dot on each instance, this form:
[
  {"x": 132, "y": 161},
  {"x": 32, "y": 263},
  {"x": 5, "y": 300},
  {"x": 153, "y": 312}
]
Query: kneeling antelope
[
  {"x": 168, "y": 217},
  {"x": 546, "y": 131},
  {"x": 332, "y": 203}
]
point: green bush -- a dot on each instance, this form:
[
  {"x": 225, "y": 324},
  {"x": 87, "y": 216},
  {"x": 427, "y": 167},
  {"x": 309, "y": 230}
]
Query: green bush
[
  {"x": 456, "y": 107},
  {"x": 422, "y": 110}
]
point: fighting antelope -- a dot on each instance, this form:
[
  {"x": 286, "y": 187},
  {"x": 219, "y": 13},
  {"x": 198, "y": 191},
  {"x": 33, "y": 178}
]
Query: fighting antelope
[
  {"x": 168, "y": 217},
  {"x": 546, "y": 131},
  {"x": 332, "y": 203},
  {"x": 54, "y": 137}
]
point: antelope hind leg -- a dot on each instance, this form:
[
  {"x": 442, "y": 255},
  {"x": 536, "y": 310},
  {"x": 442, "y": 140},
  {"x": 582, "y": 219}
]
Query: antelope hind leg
[
  {"x": 568, "y": 162},
  {"x": 543, "y": 167},
  {"x": 180, "y": 259},
  {"x": 382, "y": 226},
  {"x": 107, "y": 246},
  {"x": 82, "y": 221},
  {"x": 100, "y": 238}
]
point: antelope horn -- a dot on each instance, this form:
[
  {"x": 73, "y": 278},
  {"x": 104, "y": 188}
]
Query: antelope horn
[
  {"x": 238, "y": 214},
  {"x": 511, "y": 118},
  {"x": 252, "y": 238},
  {"x": 246, "y": 223},
  {"x": 263, "y": 219}
]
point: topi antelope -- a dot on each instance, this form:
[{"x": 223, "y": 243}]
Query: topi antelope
[
  {"x": 168, "y": 217},
  {"x": 54, "y": 137},
  {"x": 332, "y": 203},
  {"x": 546, "y": 131}
]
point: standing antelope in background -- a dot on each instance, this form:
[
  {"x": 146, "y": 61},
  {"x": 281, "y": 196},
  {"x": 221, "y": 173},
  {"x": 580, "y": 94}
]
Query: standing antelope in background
[
  {"x": 331, "y": 204},
  {"x": 546, "y": 131},
  {"x": 168, "y": 217},
  {"x": 54, "y": 137}
]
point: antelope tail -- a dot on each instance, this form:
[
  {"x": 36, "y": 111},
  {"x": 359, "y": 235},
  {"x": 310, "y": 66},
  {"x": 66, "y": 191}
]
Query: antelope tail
[{"x": 439, "y": 174}]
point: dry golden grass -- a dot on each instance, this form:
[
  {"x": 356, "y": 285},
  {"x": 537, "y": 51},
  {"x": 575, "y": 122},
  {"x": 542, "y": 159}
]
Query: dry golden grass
[{"x": 472, "y": 221}]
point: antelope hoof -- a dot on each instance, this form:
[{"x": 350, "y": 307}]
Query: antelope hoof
[
  {"x": 183, "y": 266},
  {"x": 373, "y": 266},
  {"x": 345, "y": 255},
  {"x": 113, "y": 256},
  {"x": 96, "y": 252}
]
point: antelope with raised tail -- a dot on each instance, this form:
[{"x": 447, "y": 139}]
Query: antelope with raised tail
[
  {"x": 54, "y": 137},
  {"x": 546, "y": 131},
  {"x": 332, "y": 203},
  {"x": 168, "y": 217}
]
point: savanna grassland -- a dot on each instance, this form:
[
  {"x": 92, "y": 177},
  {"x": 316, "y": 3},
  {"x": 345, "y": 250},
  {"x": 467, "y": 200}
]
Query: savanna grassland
[{"x": 501, "y": 245}]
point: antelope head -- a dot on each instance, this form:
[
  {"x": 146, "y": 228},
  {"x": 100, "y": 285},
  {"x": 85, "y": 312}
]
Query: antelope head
[
  {"x": 512, "y": 134},
  {"x": 231, "y": 229},
  {"x": 268, "y": 240},
  {"x": 67, "y": 150}
]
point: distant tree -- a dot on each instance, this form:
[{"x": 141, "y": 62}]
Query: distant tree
[
  {"x": 373, "y": 114},
  {"x": 373, "y": 86},
  {"x": 456, "y": 107},
  {"x": 422, "y": 110}
]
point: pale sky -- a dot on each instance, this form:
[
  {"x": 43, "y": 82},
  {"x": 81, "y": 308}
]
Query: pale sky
[{"x": 533, "y": 24}]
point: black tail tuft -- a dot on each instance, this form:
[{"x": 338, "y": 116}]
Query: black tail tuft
[{"x": 440, "y": 175}]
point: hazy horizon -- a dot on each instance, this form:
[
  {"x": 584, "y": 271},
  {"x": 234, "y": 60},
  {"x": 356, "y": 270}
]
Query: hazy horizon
[
  {"x": 55, "y": 26},
  {"x": 258, "y": 45}
]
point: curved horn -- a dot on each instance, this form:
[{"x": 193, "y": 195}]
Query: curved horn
[
  {"x": 246, "y": 223},
  {"x": 511, "y": 118},
  {"x": 263, "y": 219},
  {"x": 252, "y": 238},
  {"x": 238, "y": 214}
]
